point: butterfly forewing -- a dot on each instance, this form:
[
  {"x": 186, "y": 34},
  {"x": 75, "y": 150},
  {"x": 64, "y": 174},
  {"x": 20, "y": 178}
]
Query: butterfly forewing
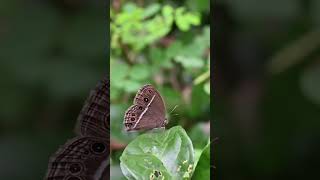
[{"x": 94, "y": 116}]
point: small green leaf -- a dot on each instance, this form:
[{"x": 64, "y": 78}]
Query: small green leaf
[
  {"x": 167, "y": 12},
  {"x": 189, "y": 62},
  {"x": 184, "y": 20},
  {"x": 151, "y": 10},
  {"x": 169, "y": 152},
  {"x": 202, "y": 78},
  {"x": 202, "y": 170},
  {"x": 207, "y": 87}
]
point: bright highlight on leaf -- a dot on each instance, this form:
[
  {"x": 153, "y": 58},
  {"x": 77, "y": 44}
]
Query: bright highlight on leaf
[{"x": 169, "y": 153}]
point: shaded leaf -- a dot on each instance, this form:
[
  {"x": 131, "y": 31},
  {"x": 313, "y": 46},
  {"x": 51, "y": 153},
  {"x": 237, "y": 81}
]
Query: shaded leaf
[
  {"x": 310, "y": 83},
  {"x": 202, "y": 170}
]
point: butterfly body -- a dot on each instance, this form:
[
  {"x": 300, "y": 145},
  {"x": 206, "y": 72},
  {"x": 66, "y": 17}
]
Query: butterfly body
[
  {"x": 147, "y": 112},
  {"x": 86, "y": 156}
]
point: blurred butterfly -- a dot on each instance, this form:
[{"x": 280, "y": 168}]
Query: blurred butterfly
[{"x": 86, "y": 156}]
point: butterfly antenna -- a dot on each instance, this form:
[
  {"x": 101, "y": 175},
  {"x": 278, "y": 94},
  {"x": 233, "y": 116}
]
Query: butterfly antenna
[{"x": 173, "y": 109}]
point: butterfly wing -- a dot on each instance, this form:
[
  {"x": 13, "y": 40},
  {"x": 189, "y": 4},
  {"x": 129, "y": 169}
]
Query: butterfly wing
[
  {"x": 81, "y": 158},
  {"x": 94, "y": 117},
  {"x": 148, "y": 111}
]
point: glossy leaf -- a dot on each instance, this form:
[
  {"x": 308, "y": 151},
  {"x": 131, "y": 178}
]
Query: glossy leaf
[{"x": 168, "y": 152}]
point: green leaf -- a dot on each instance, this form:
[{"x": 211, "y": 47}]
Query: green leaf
[
  {"x": 184, "y": 20},
  {"x": 202, "y": 78},
  {"x": 151, "y": 10},
  {"x": 167, "y": 13},
  {"x": 202, "y": 170},
  {"x": 207, "y": 87},
  {"x": 189, "y": 62},
  {"x": 197, "y": 154},
  {"x": 169, "y": 152}
]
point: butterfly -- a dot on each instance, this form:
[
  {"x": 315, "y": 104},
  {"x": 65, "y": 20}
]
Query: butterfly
[
  {"x": 147, "y": 112},
  {"x": 86, "y": 156}
]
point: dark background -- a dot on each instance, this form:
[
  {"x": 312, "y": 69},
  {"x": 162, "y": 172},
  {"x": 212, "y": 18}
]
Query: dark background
[
  {"x": 267, "y": 105},
  {"x": 52, "y": 53}
]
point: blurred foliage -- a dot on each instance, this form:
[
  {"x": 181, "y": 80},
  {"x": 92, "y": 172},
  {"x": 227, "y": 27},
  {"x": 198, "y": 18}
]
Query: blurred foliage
[
  {"x": 164, "y": 43},
  {"x": 267, "y": 107},
  {"x": 51, "y": 54}
]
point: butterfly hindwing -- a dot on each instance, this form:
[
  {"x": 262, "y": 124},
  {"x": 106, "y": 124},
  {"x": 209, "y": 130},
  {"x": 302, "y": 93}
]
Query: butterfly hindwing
[
  {"x": 80, "y": 158},
  {"x": 86, "y": 157}
]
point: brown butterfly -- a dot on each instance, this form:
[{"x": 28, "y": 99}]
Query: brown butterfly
[
  {"x": 147, "y": 112},
  {"x": 86, "y": 156}
]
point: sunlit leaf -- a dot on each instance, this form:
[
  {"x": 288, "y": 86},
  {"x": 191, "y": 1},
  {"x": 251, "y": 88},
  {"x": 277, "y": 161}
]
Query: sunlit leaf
[
  {"x": 151, "y": 10},
  {"x": 202, "y": 78},
  {"x": 184, "y": 19},
  {"x": 207, "y": 87},
  {"x": 189, "y": 62},
  {"x": 169, "y": 152}
]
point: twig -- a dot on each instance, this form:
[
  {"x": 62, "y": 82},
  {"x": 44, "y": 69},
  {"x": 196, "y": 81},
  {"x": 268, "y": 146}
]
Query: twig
[{"x": 115, "y": 145}]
